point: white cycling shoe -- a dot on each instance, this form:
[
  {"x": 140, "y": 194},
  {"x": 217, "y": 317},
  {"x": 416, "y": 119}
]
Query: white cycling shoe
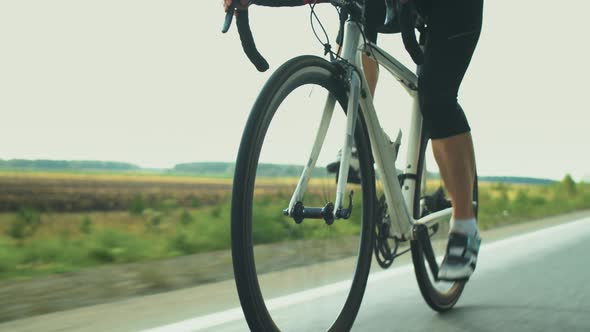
[{"x": 461, "y": 257}]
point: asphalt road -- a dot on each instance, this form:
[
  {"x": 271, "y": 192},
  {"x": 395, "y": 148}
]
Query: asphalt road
[{"x": 529, "y": 278}]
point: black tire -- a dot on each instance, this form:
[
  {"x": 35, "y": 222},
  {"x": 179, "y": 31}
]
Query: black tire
[
  {"x": 294, "y": 73},
  {"x": 438, "y": 299}
]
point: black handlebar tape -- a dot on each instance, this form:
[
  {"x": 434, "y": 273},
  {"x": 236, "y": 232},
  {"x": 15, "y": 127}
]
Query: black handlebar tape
[
  {"x": 243, "y": 24},
  {"x": 228, "y": 18},
  {"x": 409, "y": 34},
  {"x": 279, "y": 3}
]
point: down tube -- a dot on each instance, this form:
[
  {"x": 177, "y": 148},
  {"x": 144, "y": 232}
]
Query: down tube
[{"x": 386, "y": 165}]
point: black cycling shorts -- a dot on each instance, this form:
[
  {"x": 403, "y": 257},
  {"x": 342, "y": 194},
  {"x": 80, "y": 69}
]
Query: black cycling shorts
[{"x": 453, "y": 30}]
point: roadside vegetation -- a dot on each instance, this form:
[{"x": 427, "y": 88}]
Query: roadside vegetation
[
  {"x": 156, "y": 217},
  {"x": 503, "y": 203}
]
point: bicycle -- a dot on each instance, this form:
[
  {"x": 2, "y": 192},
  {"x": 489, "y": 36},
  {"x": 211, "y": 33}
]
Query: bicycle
[{"x": 405, "y": 213}]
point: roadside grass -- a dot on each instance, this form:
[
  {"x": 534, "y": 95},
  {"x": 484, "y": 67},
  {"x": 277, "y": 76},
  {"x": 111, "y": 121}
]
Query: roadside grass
[
  {"x": 502, "y": 204},
  {"x": 66, "y": 242},
  {"x": 35, "y": 243}
]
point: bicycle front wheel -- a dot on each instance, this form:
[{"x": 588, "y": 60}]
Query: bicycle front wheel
[
  {"x": 308, "y": 276},
  {"x": 429, "y": 197}
]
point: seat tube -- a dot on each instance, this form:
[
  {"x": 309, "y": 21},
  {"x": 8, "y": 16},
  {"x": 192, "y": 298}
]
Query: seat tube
[{"x": 413, "y": 155}]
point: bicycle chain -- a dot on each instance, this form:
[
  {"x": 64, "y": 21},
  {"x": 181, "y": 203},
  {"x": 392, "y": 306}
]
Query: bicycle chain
[{"x": 384, "y": 254}]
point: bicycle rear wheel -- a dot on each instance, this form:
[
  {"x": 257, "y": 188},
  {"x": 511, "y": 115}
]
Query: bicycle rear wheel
[
  {"x": 325, "y": 266},
  {"x": 429, "y": 197}
]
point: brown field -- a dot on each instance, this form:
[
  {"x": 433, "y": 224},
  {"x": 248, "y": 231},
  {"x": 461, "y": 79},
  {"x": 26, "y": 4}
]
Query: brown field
[
  {"x": 80, "y": 192},
  {"x": 73, "y": 192},
  {"x": 70, "y": 192}
]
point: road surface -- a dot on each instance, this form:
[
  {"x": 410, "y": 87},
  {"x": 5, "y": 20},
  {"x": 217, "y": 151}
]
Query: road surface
[{"x": 531, "y": 277}]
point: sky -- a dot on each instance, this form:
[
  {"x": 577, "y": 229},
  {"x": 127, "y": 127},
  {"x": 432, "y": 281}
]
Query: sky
[{"x": 155, "y": 83}]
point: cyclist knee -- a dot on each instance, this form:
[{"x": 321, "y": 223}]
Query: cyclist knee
[{"x": 443, "y": 117}]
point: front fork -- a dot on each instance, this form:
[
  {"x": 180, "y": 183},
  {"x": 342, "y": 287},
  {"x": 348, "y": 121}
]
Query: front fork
[{"x": 330, "y": 211}]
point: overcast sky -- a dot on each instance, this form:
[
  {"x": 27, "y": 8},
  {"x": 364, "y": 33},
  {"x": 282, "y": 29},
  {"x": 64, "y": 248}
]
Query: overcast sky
[{"x": 155, "y": 82}]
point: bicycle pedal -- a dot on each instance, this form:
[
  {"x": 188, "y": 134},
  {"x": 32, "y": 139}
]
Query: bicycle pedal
[
  {"x": 437, "y": 201},
  {"x": 353, "y": 169},
  {"x": 333, "y": 167},
  {"x": 353, "y": 175}
]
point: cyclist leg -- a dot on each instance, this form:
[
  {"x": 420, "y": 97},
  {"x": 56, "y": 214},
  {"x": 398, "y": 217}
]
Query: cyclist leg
[
  {"x": 371, "y": 69},
  {"x": 374, "y": 17},
  {"x": 454, "y": 28},
  {"x": 456, "y": 159}
]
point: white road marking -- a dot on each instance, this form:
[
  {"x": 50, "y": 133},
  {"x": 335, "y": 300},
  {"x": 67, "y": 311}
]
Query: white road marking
[{"x": 226, "y": 316}]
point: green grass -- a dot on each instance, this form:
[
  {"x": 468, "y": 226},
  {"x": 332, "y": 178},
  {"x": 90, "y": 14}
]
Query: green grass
[
  {"x": 502, "y": 204},
  {"x": 69, "y": 242},
  {"x": 34, "y": 243}
]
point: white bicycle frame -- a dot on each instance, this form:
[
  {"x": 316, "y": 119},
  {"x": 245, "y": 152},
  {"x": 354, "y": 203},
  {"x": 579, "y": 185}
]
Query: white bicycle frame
[{"x": 400, "y": 200}]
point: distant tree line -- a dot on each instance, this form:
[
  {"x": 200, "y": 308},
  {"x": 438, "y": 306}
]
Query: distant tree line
[
  {"x": 220, "y": 169},
  {"x": 209, "y": 168},
  {"x": 224, "y": 169},
  {"x": 43, "y": 164},
  {"x": 516, "y": 180}
]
